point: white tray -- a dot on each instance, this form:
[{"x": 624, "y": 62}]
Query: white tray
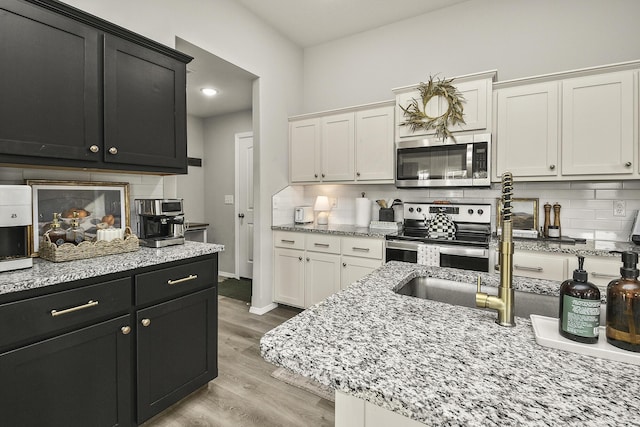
[{"x": 547, "y": 335}]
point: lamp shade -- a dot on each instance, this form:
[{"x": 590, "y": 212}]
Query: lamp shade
[{"x": 322, "y": 204}]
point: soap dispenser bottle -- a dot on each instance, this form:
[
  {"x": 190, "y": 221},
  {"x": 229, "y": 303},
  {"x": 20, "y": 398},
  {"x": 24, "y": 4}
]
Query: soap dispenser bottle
[
  {"x": 579, "y": 314},
  {"x": 56, "y": 234},
  {"x": 623, "y": 306},
  {"x": 75, "y": 234}
]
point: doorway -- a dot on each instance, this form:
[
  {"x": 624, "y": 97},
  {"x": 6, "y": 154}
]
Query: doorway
[{"x": 244, "y": 204}]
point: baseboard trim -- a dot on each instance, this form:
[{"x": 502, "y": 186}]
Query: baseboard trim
[
  {"x": 225, "y": 274},
  {"x": 262, "y": 310}
]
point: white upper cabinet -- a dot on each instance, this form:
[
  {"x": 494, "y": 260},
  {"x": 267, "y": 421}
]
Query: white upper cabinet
[
  {"x": 598, "y": 124},
  {"x": 528, "y": 131},
  {"x": 476, "y": 91},
  {"x": 374, "y": 144},
  {"x": 352, "y": 145}
]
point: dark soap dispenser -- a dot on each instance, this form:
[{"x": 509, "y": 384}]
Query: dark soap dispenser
[
  {"x": 579, "y": 316},
  {"x": 623, "y": 306}
]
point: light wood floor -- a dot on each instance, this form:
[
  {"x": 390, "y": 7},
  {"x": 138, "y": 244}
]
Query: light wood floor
[{"x": 245, "y": 394}]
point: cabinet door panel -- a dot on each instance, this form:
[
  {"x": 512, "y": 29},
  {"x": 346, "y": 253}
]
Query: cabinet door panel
[
  {"x": 527, "y": 140},
  {"x": 598, "y": 124},
  {"x": 322, "y": 277},
  {"x": 304, "y": 150},
  {"x": 288, "y": 280},
  {"x": 177, "y": 350},
  {"x": 338, "y": 147},
  {"x": 82, "y": 378},
  {"x": 145, "y": 104},
  {"x": 354, "y": 268},
  {"x": 50, "y": 99},
  {"x": 374, "y": 144},
  {"x": 475, "y": 94}
]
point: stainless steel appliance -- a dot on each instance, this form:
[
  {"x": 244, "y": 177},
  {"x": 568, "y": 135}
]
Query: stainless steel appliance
[
  {"x": 635, "y": 230},
  {"x": 432, "y": 163},
  {"x": 16, "y": 221},
  {"x": 160, "y": 222},
  {"x": 467, "y": 248},
  {"x": 303, "y": 214}
]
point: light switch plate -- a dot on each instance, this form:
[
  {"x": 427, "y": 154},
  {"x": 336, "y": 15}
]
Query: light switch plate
[{"x": 228, "y": 199}]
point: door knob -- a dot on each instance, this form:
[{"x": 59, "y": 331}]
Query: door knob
[
  {"x": 146, "y": 322},
  {"x": 552, "y": 167},
  {"x": 240, "y": 215},
  {"x": 113, "y": 150},
  {"x": 94, "y": 148},
  {"x": 628, "y": 164},
  {"x": 126, "y": 330}
]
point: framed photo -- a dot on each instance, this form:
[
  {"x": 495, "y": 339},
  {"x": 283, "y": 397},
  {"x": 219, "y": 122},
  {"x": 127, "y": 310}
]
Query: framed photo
[
  {"x": 95, "y": 203},
  {"x": 524, "y": 214}
]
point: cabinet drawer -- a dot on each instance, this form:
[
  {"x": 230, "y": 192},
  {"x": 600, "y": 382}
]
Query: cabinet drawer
[
  {"x": 288, "y": 239},
  {"x": 602, "y": 270},
  {"x": 540, "y": 266},
  {"x": 360, "y": 247},
  {"x": 36, "y": 317},
  {"x": 173, "y": 281},
  {"x": 323, "y": 243}
]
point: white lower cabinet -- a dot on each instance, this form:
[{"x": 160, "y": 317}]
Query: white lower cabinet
[
  {"x": 354, "y": 412},
  {"x": 540, "y": 265},
  {"x": 308, "y": 267},
  {"x": 602, "y": 270}
]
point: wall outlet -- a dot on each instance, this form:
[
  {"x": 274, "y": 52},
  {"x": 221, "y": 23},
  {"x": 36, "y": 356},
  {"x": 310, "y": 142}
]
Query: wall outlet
[
  {"x": 333, "y": 202},
  {"x": 228, "y": 199},
  {"x": 619, "y": 208}
]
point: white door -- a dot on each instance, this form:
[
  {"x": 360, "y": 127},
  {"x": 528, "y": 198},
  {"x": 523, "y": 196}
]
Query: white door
[{"x": 244, "y": 205}]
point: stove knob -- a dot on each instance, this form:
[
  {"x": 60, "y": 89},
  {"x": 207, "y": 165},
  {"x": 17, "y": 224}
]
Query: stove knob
[
  {"x": 470, "y": 211},
  {"x": 410, "y": 209},
  {"x": 419, "y": 209},
  {"x": 480, "y": 211}
]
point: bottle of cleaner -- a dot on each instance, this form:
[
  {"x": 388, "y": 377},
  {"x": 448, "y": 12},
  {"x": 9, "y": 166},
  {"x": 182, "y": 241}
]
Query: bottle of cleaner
[
  {"x": 579, "y": 315},
  {"x": 623, "y": 306}
]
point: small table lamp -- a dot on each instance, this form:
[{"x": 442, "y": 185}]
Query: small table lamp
[{"x": 323, "y": 207}]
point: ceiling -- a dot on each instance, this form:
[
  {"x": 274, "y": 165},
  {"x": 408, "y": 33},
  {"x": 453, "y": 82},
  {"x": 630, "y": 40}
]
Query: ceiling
[
  {"x": 311, "y": 22},
  {"x": 304, "y": 22}
]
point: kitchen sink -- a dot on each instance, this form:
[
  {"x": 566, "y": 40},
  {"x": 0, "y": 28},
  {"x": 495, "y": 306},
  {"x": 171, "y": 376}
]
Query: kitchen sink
[{"x": 464, "y": 294}]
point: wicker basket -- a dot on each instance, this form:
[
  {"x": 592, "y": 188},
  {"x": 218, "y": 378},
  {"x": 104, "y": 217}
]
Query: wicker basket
[{"x": 69, "y": 252}]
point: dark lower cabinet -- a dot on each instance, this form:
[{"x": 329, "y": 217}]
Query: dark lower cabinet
[
  {"x": 175, "y": 350},
  {"x": 81, "y": 378}
]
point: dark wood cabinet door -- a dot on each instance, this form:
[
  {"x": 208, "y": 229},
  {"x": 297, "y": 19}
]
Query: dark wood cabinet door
[
  {"x": 50, "y": 84},
  {"x": 82, "y": 378},
  {"x": 176, "y": 350},
  {"x": 144, "y": 107}
]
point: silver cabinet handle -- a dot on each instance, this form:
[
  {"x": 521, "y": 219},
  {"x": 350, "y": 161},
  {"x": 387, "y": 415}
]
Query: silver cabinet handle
[
  {"x": 602, "y": 275},
  {"x": 89, "y": 304},
  {"x": 184, "y": 279},
  {"x": 113, "y": 150},
  {"x": 287, "y": 241},
  {"x": 146, "y": 322},
  {"x": 126, "y": 330},
  {"x": 321, "y": 245},
  {"x": 355, "y": 248},
  {"x": 525, "y": 268},
  {"x": 94, "y": 148},
  {"x": 552, "y": 167}
]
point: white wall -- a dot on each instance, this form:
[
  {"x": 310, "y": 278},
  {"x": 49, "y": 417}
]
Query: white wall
[
  {"x": 219, "y": 179},
  {"x": 519, "y": 38},
  {"x": 229, "y": 31},
  {"x": 190, "y": 187}
]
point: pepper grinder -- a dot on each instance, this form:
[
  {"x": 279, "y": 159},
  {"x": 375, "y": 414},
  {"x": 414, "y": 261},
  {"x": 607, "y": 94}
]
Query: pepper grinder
[
  {"x": 547, "y": 219},
  {"x": 555, "y": 230}
]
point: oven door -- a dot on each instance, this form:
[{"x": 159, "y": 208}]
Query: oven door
[{"x": 462, "y": 257}]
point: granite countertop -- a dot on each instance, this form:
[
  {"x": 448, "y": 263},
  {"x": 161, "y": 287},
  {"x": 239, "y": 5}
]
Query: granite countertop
[
  {"x": 47, "y": 273},
  {"x": 448, "y": 365},
  {"x": 337, "y": 229}
]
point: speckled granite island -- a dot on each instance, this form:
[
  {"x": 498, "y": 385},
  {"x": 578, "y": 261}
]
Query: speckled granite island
[
  {"x": 111, "y": 340},
  {"x": 449, "y": 365}
]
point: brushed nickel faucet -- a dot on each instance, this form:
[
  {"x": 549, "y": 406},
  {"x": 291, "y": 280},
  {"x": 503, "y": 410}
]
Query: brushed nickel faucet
[{"x": 504, "y": 302}]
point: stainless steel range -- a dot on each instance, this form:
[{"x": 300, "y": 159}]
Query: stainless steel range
[{"x": 460, "y": 232}]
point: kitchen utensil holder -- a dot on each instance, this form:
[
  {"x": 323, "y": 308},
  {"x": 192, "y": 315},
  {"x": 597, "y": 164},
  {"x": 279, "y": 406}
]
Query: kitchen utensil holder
[
  {"x": 386, "y": 214},
  {"x": 70, "y": 252}
]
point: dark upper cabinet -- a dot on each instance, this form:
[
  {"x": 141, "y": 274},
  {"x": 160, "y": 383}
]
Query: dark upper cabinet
[
  {"x": 144, "y": 106},
  {"x": 49, "y": 84},
  {"x": 79, "y": 92}
]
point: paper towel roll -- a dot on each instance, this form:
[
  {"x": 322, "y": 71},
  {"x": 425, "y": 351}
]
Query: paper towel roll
[{"x": 363, "y": 212}]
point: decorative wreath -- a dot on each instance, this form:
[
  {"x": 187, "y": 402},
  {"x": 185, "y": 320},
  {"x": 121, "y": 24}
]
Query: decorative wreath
[{"x": 417, "y": 117}]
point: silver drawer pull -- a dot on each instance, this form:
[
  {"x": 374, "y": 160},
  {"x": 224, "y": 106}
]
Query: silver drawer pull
[
  {"x": 322, "y": 245},
  {"x": 525, "y": 268},
  {"x": 184, "y": 279},
  {"x": 89, "y": 304},
  {"x": 288, "y": 241},
  {"x": 602, "y": 275},
  {"x": 355, "y": 248}
]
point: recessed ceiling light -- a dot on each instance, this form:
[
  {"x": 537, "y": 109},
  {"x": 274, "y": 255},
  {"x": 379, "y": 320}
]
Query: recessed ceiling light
[{"x": 209, "y": 91}]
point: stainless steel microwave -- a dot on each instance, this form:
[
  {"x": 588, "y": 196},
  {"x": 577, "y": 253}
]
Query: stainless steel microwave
[{"x": 431, "y": 162}]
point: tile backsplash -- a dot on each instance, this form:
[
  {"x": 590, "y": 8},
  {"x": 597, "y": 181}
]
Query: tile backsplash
[{"x": 587, "y": 207}]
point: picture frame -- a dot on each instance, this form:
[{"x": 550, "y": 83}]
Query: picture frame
[
  {"x": 96, "y": 202},
  {"x": 524, "y": 215}
]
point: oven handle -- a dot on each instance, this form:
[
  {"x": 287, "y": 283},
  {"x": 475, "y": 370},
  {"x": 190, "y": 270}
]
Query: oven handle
[{"x": 446, "y": 250}]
